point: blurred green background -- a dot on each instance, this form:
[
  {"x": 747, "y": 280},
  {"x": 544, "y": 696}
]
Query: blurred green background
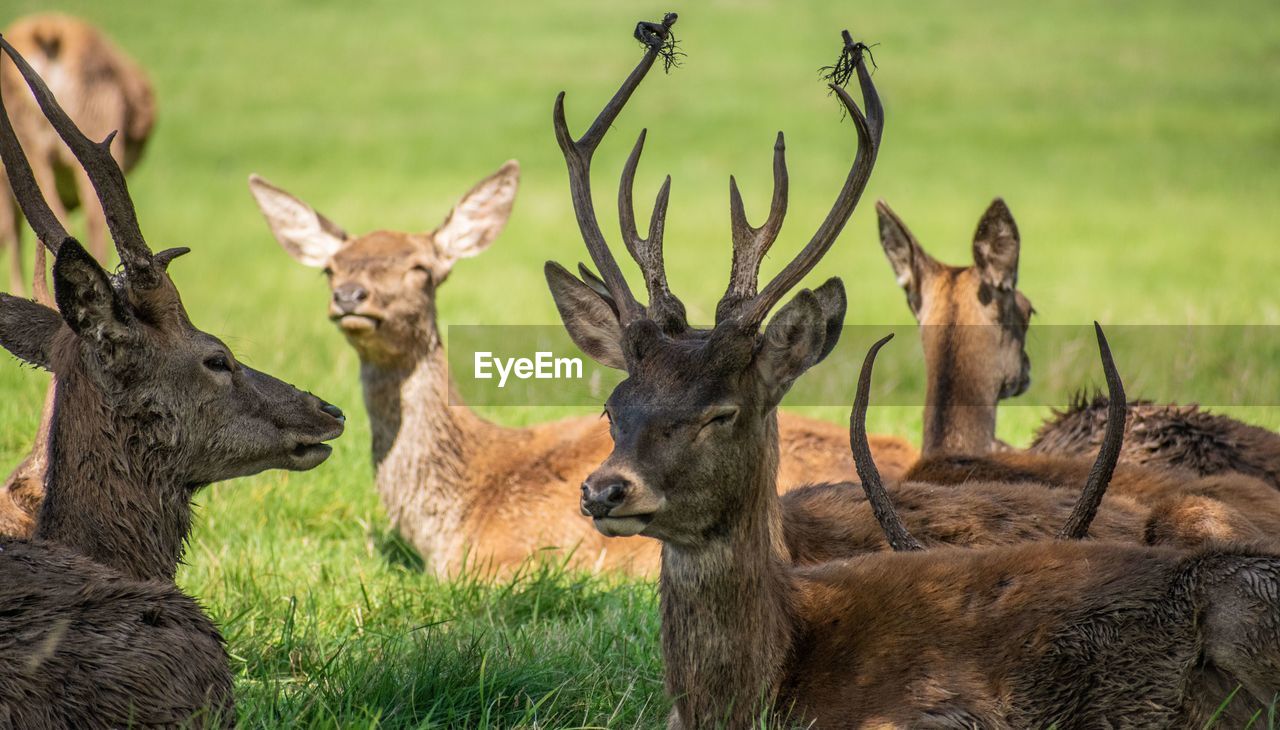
[{"x": 1137, "y": 143}]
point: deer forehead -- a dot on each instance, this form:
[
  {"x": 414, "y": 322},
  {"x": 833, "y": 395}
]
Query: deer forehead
[{"x": 382, "y": 251}]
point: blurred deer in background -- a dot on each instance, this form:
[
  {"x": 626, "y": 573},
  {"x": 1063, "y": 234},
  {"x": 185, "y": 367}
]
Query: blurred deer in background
[
  {"x": 1020, "y": 636},
  {"x": 973, "y": 326},
  {"x": 453, "y": 483},
  {"x": 147, "y": 411},
  {"x": 102, "y": 90}
]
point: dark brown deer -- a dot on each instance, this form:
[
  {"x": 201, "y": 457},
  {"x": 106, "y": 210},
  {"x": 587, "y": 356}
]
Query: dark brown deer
[
  {"x": 147, "y": 410},
  {"x": 102, "y": 90},
  {"x": 973, "y": 325},
  {"x": 1020, "y": 636}
]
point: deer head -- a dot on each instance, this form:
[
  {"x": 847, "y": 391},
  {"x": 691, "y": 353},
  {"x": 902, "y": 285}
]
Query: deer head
[
  {"x": 973, "y": 322},
  {"x": 697, "y": 408},
  {"x": 384, "y": 283},
  {"x": 131, "y": 367}
]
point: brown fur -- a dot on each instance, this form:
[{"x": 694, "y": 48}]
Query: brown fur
[
  {"x": 453, "y": 483},
  {"x": 147, "y": 409},
  {"x": 101, "y": 89},
  {"x": 1183, "y": 437},
  {"x": 1031, "y": 635}
]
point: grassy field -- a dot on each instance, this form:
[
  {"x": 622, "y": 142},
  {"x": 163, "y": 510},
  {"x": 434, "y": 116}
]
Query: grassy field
[{"x": 1138, "y": 145}]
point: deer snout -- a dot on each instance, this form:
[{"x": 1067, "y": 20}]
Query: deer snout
[
  {"x": 599, "y": 498},
  {"x": 348, "y": 296}
]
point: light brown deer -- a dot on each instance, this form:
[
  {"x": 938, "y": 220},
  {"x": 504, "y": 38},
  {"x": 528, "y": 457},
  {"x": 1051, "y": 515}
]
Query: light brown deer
[
  {"x": 147, "y": 410},
  {"x": 973, "y": 325},
  {"x": 453, "y": 483},
  {"x": 102, "y": 89},
  {"x": 1065, "y": 633}
]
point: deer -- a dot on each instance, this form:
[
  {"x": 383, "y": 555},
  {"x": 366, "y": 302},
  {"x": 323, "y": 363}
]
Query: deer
[
  {"x": 459, "y": 488},
  {"x": 1026, "y": 635},
  {"x": 102, "y": 89},
  {"x": 973, "y": 327},
  {"x": 147, "y": 410}
]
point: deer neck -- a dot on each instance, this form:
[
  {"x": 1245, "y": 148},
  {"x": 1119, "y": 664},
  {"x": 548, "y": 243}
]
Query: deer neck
[
  {"x": 109, "y": 492},
  {"x": 960, "y": 406},
  {"x": 727, "y": 621},
  {"x": 423, "y": 436}
]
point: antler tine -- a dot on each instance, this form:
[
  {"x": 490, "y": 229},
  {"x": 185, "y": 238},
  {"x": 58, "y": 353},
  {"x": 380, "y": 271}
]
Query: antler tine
[
  {"x": 870, "y": 129},
  {"x": 23, "y": 182},
  {"x": 881, "y": 505},
  {"x": 664, "y": 308},
  {"x": 577, "y": 156},
  {"x": 1095, "y": 486},
  {"x": 108, "y": 180},
  {"x": 751, "y": 244}
]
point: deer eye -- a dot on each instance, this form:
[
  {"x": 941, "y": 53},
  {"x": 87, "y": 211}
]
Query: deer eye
[
  {"x": 218, "y": 363},
  {"x": 719, "y": 416},
  {"x": 328, "y": 271}
]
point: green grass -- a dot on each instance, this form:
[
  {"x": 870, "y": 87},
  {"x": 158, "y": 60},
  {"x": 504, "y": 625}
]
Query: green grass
[{"x": 1137, "y": 143}]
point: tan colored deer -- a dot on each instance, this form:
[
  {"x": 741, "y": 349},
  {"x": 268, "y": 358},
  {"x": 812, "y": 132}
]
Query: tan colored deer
[
  {"x": 147, "y": 410},
  {"x": 453, "y": 483},
  {"x": 973, "y": 325},
  {"x": 102, "y": 89},
  {"x": 1065, "y": 633}
]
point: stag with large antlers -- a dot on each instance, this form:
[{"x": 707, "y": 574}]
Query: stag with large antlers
[
  {"x": 1032, "y": 635},
  {"x": 147, "y": 410}
]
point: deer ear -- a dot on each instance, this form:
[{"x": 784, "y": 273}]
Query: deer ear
[
  {"x": 832, "y": 299},
  {"x": 306, "y": 235},
  {"x": 911, "y": 265},
  {"x": 86, "y": 299},
  {"x": 590, "y": 319},
  {"x": 27, "y": 329},
  {"x": 796, "y": 340},
  {"x": 480, "y": 216},
  {"x": 995, "y": 247}
]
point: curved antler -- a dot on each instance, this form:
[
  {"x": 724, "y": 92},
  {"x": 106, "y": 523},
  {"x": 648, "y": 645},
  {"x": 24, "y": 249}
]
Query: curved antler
[
  {"x": 577, "y": 156},
  {"x": 1095, "y": 486},
  {"x": 23, "y": 183},
  {"x": 870, "y": 129},
  {"x": 103, "y": 172},
  {"x": 881, "y": 505}
]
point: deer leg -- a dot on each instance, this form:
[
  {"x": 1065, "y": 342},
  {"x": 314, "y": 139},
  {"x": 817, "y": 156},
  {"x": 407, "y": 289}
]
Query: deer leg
[
  {"x": 95, "y": 221},
  {"x": 11, "y": 238},
  {"x": 1242, "y": 624}
]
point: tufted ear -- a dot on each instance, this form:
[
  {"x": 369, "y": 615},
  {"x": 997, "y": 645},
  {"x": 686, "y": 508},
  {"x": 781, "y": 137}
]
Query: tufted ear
[
  {"x": 995, "y": 247},
  {"x": 89, "y": 304},
  {"x": 912, "y": 266},
  {"x": 303, "y": 233},
  {"x": 799, "y": 336},
  {"x": 587, "y": 316},
  {"x": 27, "y": 329},
  {"x": 480, "y": 216}
]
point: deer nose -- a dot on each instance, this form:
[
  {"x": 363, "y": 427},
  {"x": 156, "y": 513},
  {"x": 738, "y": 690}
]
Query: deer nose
[
  {"x": 348, "y": 296},
  {"x": 333, "y": 410},
  {"x": 600, "y": 502}
]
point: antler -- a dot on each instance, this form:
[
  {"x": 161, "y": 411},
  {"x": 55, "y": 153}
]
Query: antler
[
  {"x": 108, "y": 181},
  {"x": 750, "y": 244},
  {"x": 664, "y": 308},
  {"x": 23, "y": 182},
  {"x": 577, "y": 156},
  {"x": 1095, "y": 486},
  {"x": 881, "y": 506}
]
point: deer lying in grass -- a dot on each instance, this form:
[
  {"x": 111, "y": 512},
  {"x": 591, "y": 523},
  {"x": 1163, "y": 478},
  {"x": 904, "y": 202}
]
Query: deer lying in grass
[
  {"x": 147, "y": 410},
  {"x": 453, "y": 483},
  {"x": 102, "y": 90},
  {"x": 1019, "y": 636},
  {"x": 973, "y": 325}
]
